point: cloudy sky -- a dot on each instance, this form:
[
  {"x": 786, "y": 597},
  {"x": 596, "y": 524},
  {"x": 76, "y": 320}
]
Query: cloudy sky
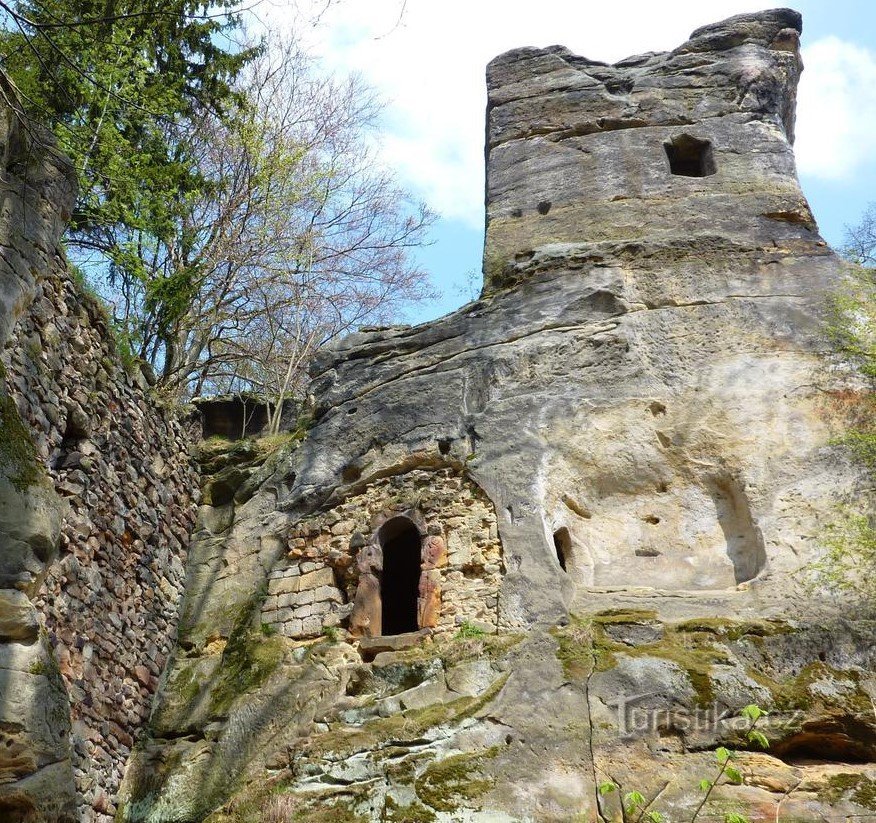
[{"x": 427, "y": 58}]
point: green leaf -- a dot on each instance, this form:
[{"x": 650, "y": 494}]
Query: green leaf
[
  {"x": 607, "y": 787},
  {"x": 722, "y": 755},
  {"x": 753, "y": 712},
  {"x": 705, "y": 785},
  {"x": 733, "y": 775},
  {"x": 734, "y": 817},
  {"x": 655, "y": 817},
  {"x": 634, "y": 801},
  {"x": 759, "y": 737}
]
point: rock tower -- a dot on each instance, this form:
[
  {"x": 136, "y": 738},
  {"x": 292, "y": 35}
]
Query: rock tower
[{"x": 553, "y": 540}]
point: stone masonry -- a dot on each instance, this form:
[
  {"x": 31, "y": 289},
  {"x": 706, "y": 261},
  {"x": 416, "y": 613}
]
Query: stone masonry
[
  {"x": 314, "y": 585},
  {"x": 120, "y": 461}
]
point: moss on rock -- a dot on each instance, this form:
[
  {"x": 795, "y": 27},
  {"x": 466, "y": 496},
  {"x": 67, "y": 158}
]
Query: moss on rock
[
  {"x": 855, "y": 787},
  {"x": 248, "y": 660},
  {"x": 448, "y": 784},
  {"x": 19, "y": 462},
  {"x": 412, "y": 813}
]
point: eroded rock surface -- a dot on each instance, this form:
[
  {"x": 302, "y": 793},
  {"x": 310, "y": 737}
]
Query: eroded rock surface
[{"x": 630, "y": 432}]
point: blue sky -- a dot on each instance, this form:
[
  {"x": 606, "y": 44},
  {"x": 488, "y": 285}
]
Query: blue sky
[{"x": 429, "y": 65}]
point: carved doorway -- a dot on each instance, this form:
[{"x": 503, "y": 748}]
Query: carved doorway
[{"x": 401, "y": 543}]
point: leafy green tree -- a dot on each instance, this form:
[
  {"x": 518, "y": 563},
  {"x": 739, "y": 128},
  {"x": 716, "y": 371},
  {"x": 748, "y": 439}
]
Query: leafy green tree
[
  {"x": 849, "y": 562},
  {"x": 232, "y": 210},
  {"x": 117, "y": 81},
  {"x": 295, "y": 234}
]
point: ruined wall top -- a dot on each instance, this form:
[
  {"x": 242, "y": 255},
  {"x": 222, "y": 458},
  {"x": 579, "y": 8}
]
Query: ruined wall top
[{"x": 668, "y": 146}]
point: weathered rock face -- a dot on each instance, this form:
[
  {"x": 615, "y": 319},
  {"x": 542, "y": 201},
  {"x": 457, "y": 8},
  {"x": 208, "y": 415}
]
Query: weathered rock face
[
  {"x": 637, "y": 405},
  {"x": 662, "y": 148},
  {"x": 36, "y": 781}
]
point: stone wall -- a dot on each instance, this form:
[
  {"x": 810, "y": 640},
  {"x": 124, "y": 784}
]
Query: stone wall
[
  {"x": 315, "y": 584},
  {"x": 121, "y": 463},
  {"x": 37, "y": 189}
]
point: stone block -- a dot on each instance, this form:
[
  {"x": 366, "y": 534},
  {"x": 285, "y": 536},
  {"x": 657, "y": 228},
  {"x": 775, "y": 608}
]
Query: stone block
[
  {"x": 311, "y": 627},
  {"x": 283, "y": 585},
  {"x": 314, "y": 579},
  {"x": 18, "y": 617},
  {"x": 328, "y": 593}
]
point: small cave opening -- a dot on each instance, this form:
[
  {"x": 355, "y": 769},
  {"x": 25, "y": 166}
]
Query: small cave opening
[
  {"x": 840, "y": 743},
  {"x": 689, "y": 156},
  {"x": 563, "y": 548},
  {"x": 400, "y": 580}
]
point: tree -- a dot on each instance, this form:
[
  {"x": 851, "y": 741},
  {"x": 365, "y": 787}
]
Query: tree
[
  {"x": 860, "y": 240},
  {"x": 854, "y": 326},
  {"x": 232, "y": 211},
  {"x": 295, "y": 235},
  {"x": 850, "y": 541},
  {"x": 118, "y": 81}
]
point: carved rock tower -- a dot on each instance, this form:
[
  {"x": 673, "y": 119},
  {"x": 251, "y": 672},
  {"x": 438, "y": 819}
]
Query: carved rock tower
[{"x": 597, "y": 481}]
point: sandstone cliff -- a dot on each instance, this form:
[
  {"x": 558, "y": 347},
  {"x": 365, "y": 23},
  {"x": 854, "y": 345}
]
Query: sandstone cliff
[{"x": 580, "y": 502}]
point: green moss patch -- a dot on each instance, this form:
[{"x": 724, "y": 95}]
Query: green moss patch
[
  {"x": 248, "y": 659},
  {"x": 734, "y": 630},
  {"x": 18, "y": 458},
  {"x": 220, "y": 489},
  {"x": 412, "y": 813},
  {"x": 855, "y": 787},
  {"x": 266, "y": 802},
  {"x": 790, "y": 694},
  {"x": 455, "y": 781},
  {"x": 693, "y": 646},
  {"x": 405, "y": 725},
  {"x": 575, "y": 649}
]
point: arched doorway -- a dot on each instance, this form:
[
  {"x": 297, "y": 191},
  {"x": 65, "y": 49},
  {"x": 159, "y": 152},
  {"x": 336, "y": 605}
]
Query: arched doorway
[{"x": 401, "y": 543}]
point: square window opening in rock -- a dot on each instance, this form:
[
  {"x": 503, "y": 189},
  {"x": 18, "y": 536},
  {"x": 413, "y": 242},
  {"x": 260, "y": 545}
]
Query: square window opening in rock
[{"x": 690, "y": 157}]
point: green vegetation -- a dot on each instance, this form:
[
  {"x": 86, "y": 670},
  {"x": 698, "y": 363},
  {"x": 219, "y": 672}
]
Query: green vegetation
[
  {"x": 855, "y": 787},
  {"x": 447, "y": 784},
  {"x": 248, "y": 659},
  {"x": 850, "y": 560},
  {"x": 412, "y": 813},
  {"x": 231, "y": 208},
  {"x": 790, "y": 693},
  {"x": 584, "y": 645},
  {"x": 468, "y": 631},
  {"x": 19, "y": 462}
]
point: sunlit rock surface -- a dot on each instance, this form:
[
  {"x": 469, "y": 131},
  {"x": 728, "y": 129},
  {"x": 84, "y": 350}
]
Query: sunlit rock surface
[{"x": 610, "y": 470}]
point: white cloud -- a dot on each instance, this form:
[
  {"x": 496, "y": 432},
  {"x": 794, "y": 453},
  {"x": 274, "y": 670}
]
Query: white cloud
[
  {"x": 429, "y": 66},
  {"x": 836, "y": 110}
]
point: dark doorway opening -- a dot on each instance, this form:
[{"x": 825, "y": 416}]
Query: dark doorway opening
[
  {"x": 400, "y": 581},
  {"x": 563, "y": 546},
  {"x": 690, "y": 157}
]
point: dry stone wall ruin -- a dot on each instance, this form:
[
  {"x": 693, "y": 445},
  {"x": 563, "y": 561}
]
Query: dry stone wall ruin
[
  {"x": 89, "y": 615},
  {"x": 121, "y": 464}
]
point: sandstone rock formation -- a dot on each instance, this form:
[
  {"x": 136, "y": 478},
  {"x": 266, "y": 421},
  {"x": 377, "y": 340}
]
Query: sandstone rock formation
[{"x": 586, "y": 497}]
